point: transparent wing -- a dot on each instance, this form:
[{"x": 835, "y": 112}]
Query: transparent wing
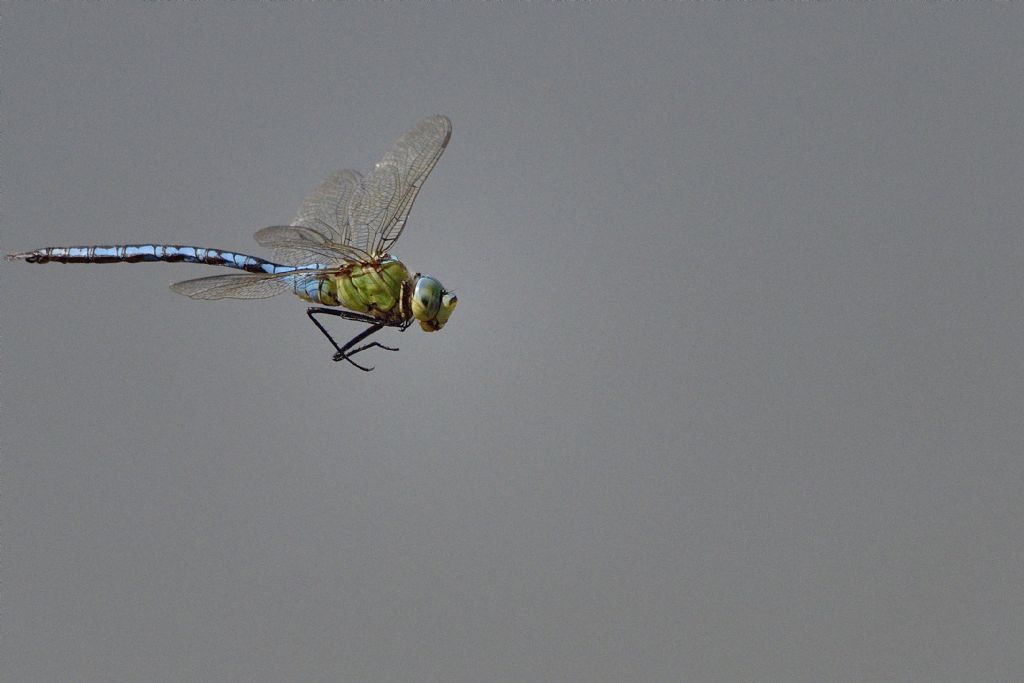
[
  {"x": 350, "y": 217},
  {"x": 298, "y": 245},
  {"x": 243, "y": 285},
  {"x": 320, "y": 232},
  {"x": 372, "y": 206},
  {"x": 325, "y": 210},
  {"x": 379, "y": 207}
]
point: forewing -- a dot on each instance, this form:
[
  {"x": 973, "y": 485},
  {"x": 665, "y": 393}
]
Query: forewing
[
  {"x": 379, "y": 207},
  {"x": 354, "y": 218}
]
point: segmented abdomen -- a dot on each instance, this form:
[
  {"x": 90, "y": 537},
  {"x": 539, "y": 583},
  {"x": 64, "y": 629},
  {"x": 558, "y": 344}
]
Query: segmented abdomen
[
  {"x": 135, "y": 253},
  {"x": 318, "y": 290}
]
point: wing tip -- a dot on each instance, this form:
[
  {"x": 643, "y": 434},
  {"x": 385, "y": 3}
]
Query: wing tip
[{"x": 445, "y": 123}]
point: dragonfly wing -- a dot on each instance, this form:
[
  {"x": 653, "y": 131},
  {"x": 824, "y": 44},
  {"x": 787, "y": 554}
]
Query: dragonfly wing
[
  {"x": 298, "y": 245},
  {"x": 234, "y": 286},
  {"x": 377, "y": 210},
  {"x": 372, "y": 207},
  {"x": 320, "y": 233},
  {"x": 324, "y": 211},
  {"x": 350, "y": 217}
]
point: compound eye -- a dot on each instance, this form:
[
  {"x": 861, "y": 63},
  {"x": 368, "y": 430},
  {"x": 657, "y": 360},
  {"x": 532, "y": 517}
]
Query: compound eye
[{"x": 426, "y": 298}]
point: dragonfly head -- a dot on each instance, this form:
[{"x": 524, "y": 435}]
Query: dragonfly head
[{"x": 432, "y": 304}]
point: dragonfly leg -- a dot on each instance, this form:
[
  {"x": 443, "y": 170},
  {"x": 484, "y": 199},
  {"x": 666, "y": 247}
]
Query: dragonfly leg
[
  {"x": 344, "y": 314},
  {"x": 346, "y": 352}
]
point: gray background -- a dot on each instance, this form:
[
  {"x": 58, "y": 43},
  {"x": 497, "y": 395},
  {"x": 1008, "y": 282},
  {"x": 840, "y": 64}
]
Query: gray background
[{"x": 733, "y": 393}]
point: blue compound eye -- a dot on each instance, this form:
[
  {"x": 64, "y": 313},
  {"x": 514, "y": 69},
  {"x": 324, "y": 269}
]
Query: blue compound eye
[{"x": 426, "y": 298}]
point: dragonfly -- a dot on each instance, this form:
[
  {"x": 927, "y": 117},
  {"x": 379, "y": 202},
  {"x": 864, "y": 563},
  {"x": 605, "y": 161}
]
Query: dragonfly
[{"x": 335, "y": 253}]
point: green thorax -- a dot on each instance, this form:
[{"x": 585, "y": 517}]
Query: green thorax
[{"x": 375, "y": 288}]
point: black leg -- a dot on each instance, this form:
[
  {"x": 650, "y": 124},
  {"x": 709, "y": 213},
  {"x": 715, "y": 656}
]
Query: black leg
[
  {"x": 344, "y": 352},
  {"x": 358, "y": 317},
  {"x": 341, "y": 314}
]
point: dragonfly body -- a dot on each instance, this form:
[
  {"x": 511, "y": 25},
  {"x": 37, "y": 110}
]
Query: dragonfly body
[
  {"x": 136, "y": 253},
  {"x": 379, "y": 288},
  {"x": 335, "y": 252}
]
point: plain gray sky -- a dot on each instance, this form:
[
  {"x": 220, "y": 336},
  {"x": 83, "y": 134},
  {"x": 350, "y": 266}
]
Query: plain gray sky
[{"x": 733, "y": 393}]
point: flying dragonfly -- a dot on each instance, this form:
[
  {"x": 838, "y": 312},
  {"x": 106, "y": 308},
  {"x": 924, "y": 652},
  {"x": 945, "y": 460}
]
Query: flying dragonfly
[{"x": 336, "y": 253}]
